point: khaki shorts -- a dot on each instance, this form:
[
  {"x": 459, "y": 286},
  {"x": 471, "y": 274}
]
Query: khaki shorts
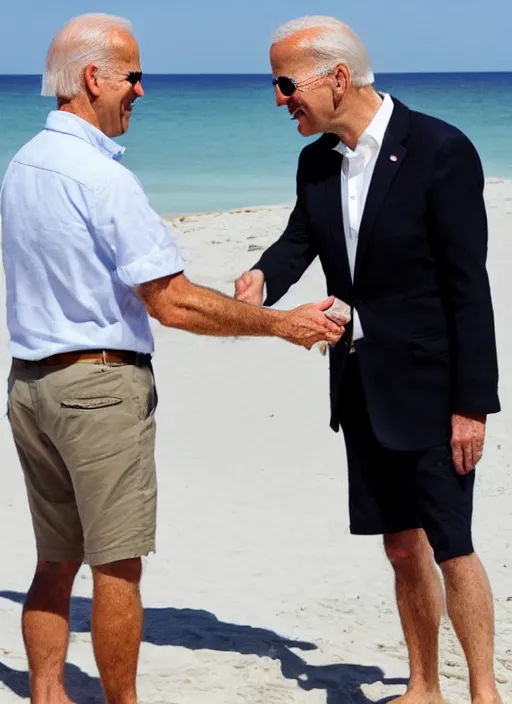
[{"x": 85, "y": 436}]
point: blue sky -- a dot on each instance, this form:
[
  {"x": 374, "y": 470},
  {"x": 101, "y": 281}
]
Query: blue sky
[{"x": 231, "y": 36}]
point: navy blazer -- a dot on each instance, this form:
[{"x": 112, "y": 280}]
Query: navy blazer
[{"x": 420, "y": 284}]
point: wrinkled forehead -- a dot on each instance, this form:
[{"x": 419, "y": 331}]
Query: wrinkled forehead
[{"x": 289, "y": 57}]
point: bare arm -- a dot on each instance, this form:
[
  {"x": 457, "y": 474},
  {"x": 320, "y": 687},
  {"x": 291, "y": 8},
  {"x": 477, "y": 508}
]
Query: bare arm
[{"x": 176, "y": 302}]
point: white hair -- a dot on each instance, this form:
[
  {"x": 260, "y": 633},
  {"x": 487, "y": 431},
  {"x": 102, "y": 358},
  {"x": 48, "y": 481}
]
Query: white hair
[
  {"x": 85, "y": 40},
  {"x": 335, "y": 43}
]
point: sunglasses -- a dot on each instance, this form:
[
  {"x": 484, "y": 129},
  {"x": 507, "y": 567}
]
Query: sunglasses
[
  {"x": 134, "y": 77},
  {"x": 288, "y": 86}
]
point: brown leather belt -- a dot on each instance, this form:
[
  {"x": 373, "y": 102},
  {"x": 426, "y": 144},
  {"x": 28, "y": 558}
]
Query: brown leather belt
[{"x": 65, "y": 359}]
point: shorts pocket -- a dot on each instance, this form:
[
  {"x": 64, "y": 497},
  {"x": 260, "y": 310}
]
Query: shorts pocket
[
  {"x": 90, "y": 404},
  {"x": 144, "y": 392}
]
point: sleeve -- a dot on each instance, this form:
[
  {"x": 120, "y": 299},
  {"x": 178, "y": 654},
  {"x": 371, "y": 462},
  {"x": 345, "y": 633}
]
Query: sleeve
[
  {"x": 284, "y": 262},
  {"x": 143, "y": 246},
  {"x": 459, "y": 225}
]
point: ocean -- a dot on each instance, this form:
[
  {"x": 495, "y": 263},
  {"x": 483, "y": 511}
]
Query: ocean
[{"x": 202, "y": 143}]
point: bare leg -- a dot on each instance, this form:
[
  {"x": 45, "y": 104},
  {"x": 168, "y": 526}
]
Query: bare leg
[
  {"x": 45, "y": 624},
  {"x": 471, "y": 610},
  {"x": 117, "y": 620},
  {"x": 420, "y": 603}
]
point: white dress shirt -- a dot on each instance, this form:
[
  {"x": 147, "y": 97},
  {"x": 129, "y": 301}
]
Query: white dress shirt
[{"x": 356, "y": 175}]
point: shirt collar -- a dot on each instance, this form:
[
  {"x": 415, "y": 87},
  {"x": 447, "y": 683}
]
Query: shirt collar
[
  {"x": 68, "y": 123},
  {"x": 374, "y": 133}
]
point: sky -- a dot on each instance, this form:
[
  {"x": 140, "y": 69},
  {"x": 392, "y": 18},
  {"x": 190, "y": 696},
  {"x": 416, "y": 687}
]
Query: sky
[{"x": 232, "y": 36}]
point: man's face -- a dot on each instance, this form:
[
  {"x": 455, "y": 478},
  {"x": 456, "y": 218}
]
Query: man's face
[
  {"x": 116, "y": 94},
  {"x": 312, "y": 104}
]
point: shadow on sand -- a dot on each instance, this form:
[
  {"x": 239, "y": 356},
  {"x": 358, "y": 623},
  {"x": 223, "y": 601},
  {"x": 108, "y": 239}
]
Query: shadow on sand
[{"x": 196, "y": 630}]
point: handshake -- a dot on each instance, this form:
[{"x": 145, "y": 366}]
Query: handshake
[{"x": 314, "y": 324}]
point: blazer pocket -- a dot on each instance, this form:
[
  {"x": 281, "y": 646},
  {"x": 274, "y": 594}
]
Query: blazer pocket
[
  {"x": 91, "y": 404},
  {"x": 435, "y": 346}
]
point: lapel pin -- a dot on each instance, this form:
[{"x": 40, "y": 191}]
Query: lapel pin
[{"x": 393, "y": 157}]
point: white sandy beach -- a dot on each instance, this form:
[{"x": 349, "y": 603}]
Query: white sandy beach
[{"x": 258, "y": 594}]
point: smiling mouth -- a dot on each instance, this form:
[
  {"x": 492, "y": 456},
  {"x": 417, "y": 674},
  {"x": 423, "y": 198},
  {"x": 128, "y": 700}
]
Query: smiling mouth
[{"x": 296, "y": 114}]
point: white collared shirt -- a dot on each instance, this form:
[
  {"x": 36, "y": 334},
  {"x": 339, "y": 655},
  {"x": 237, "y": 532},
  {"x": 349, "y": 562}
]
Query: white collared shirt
[{"x": 356, "y": 175}]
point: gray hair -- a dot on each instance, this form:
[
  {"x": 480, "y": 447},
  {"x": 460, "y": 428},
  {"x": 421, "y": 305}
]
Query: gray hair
[
  {"x": 335, "y": 43},
  {"x": 84, "y": 40}
]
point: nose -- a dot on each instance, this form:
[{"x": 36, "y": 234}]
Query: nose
[
  {"x": 281, "y": 100},
  {"x": 139, "y": 90}
]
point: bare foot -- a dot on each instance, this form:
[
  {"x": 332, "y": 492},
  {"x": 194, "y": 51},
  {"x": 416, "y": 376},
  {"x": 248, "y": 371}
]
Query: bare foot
[
  {"x": 493, "y": 699},
  {"x": 421, "y": 698}
]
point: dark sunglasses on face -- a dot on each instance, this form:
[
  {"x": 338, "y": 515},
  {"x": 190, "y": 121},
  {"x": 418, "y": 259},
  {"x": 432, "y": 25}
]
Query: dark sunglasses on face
[
  {"x": 134, "y": 77},
  {"x": 288, "y": 86}
]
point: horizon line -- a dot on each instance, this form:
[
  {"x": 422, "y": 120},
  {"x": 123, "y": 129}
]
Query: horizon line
[{"x": 257, "y": 73}]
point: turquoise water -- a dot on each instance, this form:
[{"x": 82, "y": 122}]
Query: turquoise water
[{"x": 209, "y": 142}]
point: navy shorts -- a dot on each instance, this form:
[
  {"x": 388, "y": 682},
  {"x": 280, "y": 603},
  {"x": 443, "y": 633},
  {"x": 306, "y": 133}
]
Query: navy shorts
[{"x": 392, "y": 491}]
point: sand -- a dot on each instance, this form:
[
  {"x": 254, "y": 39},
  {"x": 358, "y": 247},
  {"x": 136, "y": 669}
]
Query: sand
[{"x": 258, "y": 594}]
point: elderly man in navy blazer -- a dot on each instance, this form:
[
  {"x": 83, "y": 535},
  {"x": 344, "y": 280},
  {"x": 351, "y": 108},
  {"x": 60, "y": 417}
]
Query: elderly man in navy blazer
[{"x": 391, "y": 201}]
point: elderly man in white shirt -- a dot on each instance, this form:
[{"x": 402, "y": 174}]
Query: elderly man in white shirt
[
  {"x": 86, "y": 259},
  {"x": 391, "y": 202}
]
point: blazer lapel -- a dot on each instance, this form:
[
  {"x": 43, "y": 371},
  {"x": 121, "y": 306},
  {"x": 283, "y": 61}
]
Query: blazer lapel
[
  {"x": 333, "y": 210},
  {"x": 390, "y": 159}
]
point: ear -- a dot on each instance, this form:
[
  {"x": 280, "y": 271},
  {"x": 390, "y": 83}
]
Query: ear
[
  {"x": 91, "y": 81},
  {"x": 342, "y": 77}
]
